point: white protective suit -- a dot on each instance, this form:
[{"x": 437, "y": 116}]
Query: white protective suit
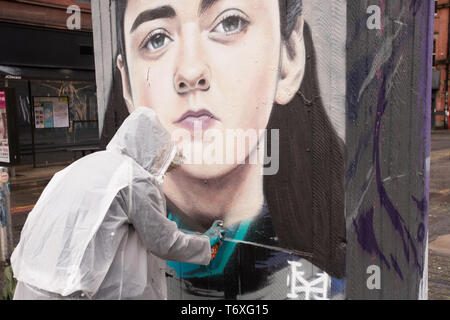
[{"x": 99, "y": 229}]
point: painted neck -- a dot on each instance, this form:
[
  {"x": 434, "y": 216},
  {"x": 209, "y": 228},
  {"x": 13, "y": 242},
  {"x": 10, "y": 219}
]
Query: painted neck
[{"x": 233, "y": 197}]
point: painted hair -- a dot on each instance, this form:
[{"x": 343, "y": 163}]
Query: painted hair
[{"x": 306, "y": 196}]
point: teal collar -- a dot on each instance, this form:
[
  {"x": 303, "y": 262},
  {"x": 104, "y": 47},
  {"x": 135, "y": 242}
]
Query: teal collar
[{"x": 217, "y": 266}]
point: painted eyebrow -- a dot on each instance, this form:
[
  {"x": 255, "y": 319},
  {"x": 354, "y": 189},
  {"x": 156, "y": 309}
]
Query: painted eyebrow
[
  {"x": 205, "y": 5},
  {"x": 153, "y": 14}
]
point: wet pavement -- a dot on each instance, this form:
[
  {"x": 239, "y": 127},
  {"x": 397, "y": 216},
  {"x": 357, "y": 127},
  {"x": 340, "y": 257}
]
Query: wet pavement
[
  {"x": 29, "y": 183},
  {"x": 26, "y": 188},
  {"x": 439, "y": 218}
]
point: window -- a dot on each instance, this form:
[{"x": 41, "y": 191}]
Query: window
[{"x": 434, "y": 52}]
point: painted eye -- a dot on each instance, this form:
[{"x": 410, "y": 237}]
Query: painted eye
[
  {"x": 231, "y": 25},
  {"x": 157, "y": 41}
]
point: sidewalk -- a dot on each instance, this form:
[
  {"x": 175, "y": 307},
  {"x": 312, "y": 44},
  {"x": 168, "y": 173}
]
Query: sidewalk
[
  {"x": 439, "y": 217},
  {"x": 26, "y": 176},
  {"x": 26, "y": 187}
]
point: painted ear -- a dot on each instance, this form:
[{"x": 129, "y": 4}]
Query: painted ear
[
  {"x": 125, "y": 84},
  {"x": 292, "y": 66}
]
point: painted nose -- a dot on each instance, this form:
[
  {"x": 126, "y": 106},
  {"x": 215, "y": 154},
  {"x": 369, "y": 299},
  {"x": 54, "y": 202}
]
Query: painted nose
[{"x": 191, "y": 79}]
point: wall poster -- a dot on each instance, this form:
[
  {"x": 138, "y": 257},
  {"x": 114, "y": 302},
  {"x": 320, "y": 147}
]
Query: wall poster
[
  {"x": 4, "y": 142},
  {"x": 51, "y": 112}
]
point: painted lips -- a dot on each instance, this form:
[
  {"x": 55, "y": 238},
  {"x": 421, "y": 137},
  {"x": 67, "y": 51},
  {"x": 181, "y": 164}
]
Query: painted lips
[{"x": 202, "y": 119}]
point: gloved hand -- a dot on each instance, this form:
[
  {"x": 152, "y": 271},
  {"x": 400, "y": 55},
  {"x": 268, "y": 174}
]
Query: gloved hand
[{"x": 216, "y": 233}]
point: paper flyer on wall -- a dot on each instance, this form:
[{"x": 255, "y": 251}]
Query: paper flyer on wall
[
  {"x": 61, "y": 113},
  {"x": 51, "y": 112},
  {"x": 48, "y": 115},
  {"x": 39, "y": 117},
  {"x": 4, "y": 143}
]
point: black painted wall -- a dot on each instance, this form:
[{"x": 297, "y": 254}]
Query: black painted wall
[{"x": 27, "y": 46}]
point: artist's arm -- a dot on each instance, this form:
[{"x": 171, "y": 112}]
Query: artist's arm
[{"x": 147, "y": 213}]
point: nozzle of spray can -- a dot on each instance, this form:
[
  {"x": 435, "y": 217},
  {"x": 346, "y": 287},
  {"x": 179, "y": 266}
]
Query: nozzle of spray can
[{"x": 215, "y": 248}]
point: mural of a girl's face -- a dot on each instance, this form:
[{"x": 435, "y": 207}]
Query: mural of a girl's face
[{"x": 220, "y": 62}]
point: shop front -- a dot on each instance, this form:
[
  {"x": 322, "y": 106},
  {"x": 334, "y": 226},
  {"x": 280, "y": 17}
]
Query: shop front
[{"x": 51, "y": 75}]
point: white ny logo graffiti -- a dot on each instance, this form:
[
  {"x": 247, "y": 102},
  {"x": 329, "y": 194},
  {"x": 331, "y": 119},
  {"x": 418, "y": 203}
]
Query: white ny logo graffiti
[{"x": 316, "y": 289}]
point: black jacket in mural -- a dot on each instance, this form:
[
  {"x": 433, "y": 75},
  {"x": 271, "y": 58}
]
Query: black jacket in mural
[{"x": 251, "y": 266}]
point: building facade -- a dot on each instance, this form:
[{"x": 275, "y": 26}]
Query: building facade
[
  {"x": 47, "y": 61},
  {"x": 441, "y": 71}
]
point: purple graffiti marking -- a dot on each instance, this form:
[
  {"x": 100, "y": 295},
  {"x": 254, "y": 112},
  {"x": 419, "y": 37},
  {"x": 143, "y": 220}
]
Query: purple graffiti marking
[
  {"x": 396, "y": 267},
  {"x": 421, "y": 232},
  {"x": 364, "y": 224},
  {"x": 366, "y": 235},
  {"x": 363, "y": 143},
  {"x": 415, "y": 6},
  {"x": 426, "y": 130},
  {"x": 421, "y": 205},
  {"x": 396, "y": 219}
]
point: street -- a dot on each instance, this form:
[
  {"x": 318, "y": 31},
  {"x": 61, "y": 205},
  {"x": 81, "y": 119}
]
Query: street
[{"x": 439, "y": 218}]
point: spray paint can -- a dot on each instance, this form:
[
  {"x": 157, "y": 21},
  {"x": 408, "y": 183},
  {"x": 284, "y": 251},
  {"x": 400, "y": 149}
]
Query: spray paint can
[{"x": 215, "y": 248}]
